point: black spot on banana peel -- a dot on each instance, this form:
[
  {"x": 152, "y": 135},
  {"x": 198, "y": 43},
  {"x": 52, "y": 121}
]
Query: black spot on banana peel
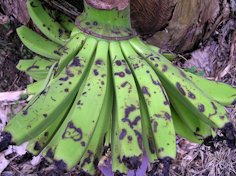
[
  {"x": 61, "y": 165},
  {"x": 37, "y": 146},
  {"x": 156, "y": 167},
  {"x": 50, "y": 154},
  {"x": 117, "y": 173},
  {"x": 132, "y": 163},
  {"x": 5, "y": 141}
]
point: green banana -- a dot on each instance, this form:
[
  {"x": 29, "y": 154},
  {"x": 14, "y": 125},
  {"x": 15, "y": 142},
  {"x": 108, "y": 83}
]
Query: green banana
[
  {"x": 71, "y": 49},
  {"x": 35, "y": 63},
  {"x": 147, "y": 132},
  {"x": 212, "y": 88},
  {"x": 169, "y": 56},
  {"x": 35, "y": 87},
  {"x": 118, "y": 166},
  {"x": 84, "y": 59},
  {"x": 47, "y": 25},
  {"x": 37, "y": 67},
  {"x": 33, "y": 120},
  {"x": 74, "y": 32},
  {"x": 220, "y": 92},
  {"x": 95, "y": 148},
  {"x": 81, "y": 126},
  {"x": 108, "y": 132},
  {"x": 37, "y": 144},
  {"x": 182, "y": 129},
  {"x": 127, "y": 130},
  {"x": 66, "y": 22},
  {"x": 38, "y": 44},
  {"x": 38, "y": 87},
  {"x": 201, "y": 129},
  {"x": 156, "y": 102},
  {"x": 208, "y": 110}
]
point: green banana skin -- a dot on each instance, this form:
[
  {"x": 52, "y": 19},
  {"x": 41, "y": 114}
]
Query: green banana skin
[
  {"x": 182, "y": 129},
  {"x": 39, "y": 44},
  {"x": 37, "y": 67},
  {"x": 156, "y": 102},
  {"x": 79, "y": 130},
  {"x": 200, "y": 104},
  {"x": 118, "y": 166},
  {"x": 35, "y": 87},
  {"x": 66, "y": 22},
  {"x": 147, "y": 134},
  {"x": 37, "y": 144},
  {"x": 169, "y": 56},
  {"x": 73, "y": 46},
  {"x": 201, "y": 129},
  {"x": 37, "y": 76},
  {"x": 74, "y": 31},
  {"x": 94, "y": 151},
  {"x": 49, "y": 150},
  {"x": 126, "y": 136},
  {"x": 38, "y": 87},
  {"x": 220, "y": 92},
  {"x": 47, "y": 25},
  {"x": 32, "y": 121},
  {"x": 86, "y": 56},
  {"x": 37, "y": 63}
]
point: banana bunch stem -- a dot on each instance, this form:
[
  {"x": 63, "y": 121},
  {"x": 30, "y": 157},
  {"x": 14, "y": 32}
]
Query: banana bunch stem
[{"x": 97, "y": 84}]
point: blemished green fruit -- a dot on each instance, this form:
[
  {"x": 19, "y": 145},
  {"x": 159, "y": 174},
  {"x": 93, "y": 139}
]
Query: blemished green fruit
[{"x": 98, "y": 85}]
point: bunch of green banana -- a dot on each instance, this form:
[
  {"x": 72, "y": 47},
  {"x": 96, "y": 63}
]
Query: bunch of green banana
[{"x": 99, "y": 85}]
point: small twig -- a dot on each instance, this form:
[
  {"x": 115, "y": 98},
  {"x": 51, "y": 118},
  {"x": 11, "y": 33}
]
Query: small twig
[{"x": 231, "y": 58}]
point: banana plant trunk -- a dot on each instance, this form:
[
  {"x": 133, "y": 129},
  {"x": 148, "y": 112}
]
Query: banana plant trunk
[{"x": 108, "y": 4}]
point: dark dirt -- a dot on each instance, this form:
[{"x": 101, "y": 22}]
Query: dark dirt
[{"x": 11, "y": 50}]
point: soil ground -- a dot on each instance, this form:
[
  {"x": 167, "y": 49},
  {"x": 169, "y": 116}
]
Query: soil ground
[{"x": 11, "y": 50}]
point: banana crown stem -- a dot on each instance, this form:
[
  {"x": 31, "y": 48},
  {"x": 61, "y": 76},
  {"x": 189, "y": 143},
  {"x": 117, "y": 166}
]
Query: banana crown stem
[{"x": 107, "y": 24}]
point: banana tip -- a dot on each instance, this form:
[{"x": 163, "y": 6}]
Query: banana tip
[
  {"x": 162, "y": 167},
  {"x": 132, "y": 163},
  {"x": 118, "y": 173},
  {"x": 234, "y": 102},
  {"x": 61, "y": 165},
  {"x": 5, "y": 141}
]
